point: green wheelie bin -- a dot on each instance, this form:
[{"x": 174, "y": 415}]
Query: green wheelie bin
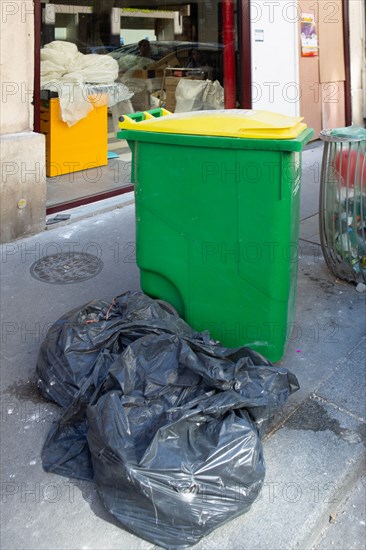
[{"x": 217, "y": 219}]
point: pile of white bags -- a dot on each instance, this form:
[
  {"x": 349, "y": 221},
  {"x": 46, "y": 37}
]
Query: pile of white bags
[{"x": 81, "y": 81}]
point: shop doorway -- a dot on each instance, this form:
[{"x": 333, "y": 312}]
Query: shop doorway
[{"x": 174, "y": 29}]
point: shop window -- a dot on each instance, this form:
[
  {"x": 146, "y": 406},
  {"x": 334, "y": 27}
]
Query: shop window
[{"x": 183, "y": 51}]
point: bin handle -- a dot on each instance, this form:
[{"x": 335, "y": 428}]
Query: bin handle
[{"x": 127, "y": 122}]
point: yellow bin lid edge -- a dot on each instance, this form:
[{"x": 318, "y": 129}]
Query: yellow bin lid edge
[{"x": 239, "y": 123}]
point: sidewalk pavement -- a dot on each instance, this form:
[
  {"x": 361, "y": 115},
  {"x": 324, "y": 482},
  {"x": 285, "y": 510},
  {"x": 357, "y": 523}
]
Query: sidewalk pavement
[{"x": 314, "y": 451}]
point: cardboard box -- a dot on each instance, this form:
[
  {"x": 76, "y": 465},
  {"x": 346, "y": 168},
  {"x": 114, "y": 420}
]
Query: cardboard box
[
  {"x": 171, "y": 82},
  {"x": 148, "y": 73},
  {"x": 170, "y": 101},
  {"x": 170, "y": 95},
  {"x": 167, "y": 61},
  {"x": 171, "y": 106}
]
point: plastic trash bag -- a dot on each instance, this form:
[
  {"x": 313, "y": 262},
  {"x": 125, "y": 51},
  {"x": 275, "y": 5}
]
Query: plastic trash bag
[
  {"x": 72, "y": 345},
  {"x": 352, "y": 132},
  {"x": 61, "y": 59},
  {"x": 198, "y": 95},
  {"x": 108, "y": 94},
  {"x": 169, "y": 428},
  {"x": 67, "y": 71},
  {"x": 172, "y": 476},
  {"x": 214, "y": 97},
  {"x": 189, "y": 95}
]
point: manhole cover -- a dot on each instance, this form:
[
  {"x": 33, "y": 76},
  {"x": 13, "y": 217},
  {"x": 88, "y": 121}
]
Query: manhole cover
[{"x": 66, "y": 268}]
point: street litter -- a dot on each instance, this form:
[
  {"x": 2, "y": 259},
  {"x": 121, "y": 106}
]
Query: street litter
[{"x": 166, "y": 421}]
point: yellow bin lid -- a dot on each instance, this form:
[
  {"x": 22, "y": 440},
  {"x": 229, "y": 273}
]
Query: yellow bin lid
[{"x": 239, "y": 123}]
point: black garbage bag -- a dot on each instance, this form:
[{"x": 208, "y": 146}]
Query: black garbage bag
[
  {"x": 170, "y": 431},
  {"x": 72, "y": 345},
  {"x": 202, "y": 467},
  {"x": 65, "y": 450}
]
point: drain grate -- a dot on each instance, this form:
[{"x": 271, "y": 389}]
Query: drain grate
[{"x": 66, "y": 268}]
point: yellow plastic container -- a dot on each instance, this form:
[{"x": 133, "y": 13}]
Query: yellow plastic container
[
  {"x": 75, "y": 148},
  {"x": 243, "y": 123}
]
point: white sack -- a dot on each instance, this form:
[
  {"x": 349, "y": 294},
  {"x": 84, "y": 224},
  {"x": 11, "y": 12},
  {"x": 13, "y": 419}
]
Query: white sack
[
  {"x": 198, "y": 95},
  {"x": 67, "y": 71}
]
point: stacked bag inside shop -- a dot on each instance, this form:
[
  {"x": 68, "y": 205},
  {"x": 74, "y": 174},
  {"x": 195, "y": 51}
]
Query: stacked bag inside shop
[
  {"x": 166, "y": 421},
  {"x": 81, "y": 82}
]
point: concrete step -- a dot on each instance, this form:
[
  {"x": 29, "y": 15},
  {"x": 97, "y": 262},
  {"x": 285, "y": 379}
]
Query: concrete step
[{"x": 346, "y": 529}]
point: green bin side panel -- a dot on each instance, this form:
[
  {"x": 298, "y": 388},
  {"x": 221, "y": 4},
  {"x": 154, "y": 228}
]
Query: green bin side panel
[{"x": 217, "y": 234}]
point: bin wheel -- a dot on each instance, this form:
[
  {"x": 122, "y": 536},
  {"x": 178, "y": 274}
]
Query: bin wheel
[{"x": 168, "y": 307}]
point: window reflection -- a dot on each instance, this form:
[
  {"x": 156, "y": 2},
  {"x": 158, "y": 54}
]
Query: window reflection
[{"x": 152, "y": 43}]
